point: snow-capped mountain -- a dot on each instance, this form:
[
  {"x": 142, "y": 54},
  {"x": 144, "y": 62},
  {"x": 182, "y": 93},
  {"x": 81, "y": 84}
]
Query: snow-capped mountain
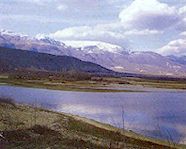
[
  {"x": 108, "y": 55},
  {"x": 11, "y": 33},
  {"x": 94, "y": 46},
  {"x": 46, "y": 45}
]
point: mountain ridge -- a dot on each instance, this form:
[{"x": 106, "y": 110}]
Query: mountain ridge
[
  {"x": 11, "y": 59},
  {"x": 121, "y": 61}
]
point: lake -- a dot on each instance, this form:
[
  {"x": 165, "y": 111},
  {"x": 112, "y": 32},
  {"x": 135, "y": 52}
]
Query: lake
[{"x": 158, "y": 114}]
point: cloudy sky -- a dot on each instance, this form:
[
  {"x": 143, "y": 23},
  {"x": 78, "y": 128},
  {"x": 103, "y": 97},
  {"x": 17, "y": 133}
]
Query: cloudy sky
[{"x": 153, "y": 25}]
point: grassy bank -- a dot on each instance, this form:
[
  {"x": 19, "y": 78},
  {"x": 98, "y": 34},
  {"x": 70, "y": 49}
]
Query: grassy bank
[
  {"x": 83, "y": 86},
  {"x": 168, "y": 84},
  {"x": 23, "y": 126},
  {"x": 104, "y": 84}
]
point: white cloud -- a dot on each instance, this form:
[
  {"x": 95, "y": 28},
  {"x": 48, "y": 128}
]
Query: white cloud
[
  {"x": 118, "y": 31},
  {"x": 143, "y": 32},
  {"x": 149, "y": 14},
  {"x": 183, "y": 33},
  {"x": 134, "y": 21},
  {"x": 114, "y": 33},
  {"x": 182, "y": 10},
  {"x": 95, "y": 33},
  {"x": 175, "y": 47},
  {"x": 61, "y": 7}
]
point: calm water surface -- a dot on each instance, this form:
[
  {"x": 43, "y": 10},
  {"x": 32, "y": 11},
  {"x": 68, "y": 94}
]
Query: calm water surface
[{"x": 156, "y": 114}]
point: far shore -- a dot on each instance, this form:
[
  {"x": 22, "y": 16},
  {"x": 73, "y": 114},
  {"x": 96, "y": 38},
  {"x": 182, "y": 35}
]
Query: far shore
[{"x": 104, "y": 84}]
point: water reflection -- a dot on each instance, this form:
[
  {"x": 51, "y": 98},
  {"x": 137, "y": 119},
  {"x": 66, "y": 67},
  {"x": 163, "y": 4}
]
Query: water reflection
[{"x": 151, "y": 113}]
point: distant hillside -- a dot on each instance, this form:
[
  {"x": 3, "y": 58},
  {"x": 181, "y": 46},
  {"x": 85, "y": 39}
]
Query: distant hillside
[
  {"x": 11, "y": 59},
  {"x": 180, "y": 60},
  {"x": 110, "y": 56}
]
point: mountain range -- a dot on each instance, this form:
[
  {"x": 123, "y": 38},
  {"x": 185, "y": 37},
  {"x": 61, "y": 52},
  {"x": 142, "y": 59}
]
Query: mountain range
[
  {"x": 110, "y": 56},
  {"x": 15, "y": 59},
  {"x": 180, "y": 60}
]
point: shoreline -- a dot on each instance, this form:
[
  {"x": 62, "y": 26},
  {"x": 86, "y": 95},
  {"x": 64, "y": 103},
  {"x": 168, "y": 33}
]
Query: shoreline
[
  {"x": 63, "y": 88},
  {"x": 88, "y": 87},
  {"x": 79, "y": 124}
]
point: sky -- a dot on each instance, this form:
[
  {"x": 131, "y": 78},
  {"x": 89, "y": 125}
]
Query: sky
[{"x": 136, "y": 25}]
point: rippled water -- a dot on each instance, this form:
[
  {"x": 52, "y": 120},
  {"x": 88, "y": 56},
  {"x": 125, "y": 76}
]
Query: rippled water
[{"x": 157, "y": 114}]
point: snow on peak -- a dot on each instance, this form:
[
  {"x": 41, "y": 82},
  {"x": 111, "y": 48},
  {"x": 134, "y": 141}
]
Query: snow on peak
[
  {"x": 11, "y": 33},
  {"x": 40, "y": 36},
  {"x": 97, "y": 46},
  {"x": 7, "y": 32},
  {"x": 46, "y": 39}
]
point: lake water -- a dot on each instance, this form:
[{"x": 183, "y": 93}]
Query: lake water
[{"x": 157, "y": 114}]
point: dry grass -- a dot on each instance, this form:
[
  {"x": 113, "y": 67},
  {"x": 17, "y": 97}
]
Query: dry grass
[{"x": 28, "y": 127}]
